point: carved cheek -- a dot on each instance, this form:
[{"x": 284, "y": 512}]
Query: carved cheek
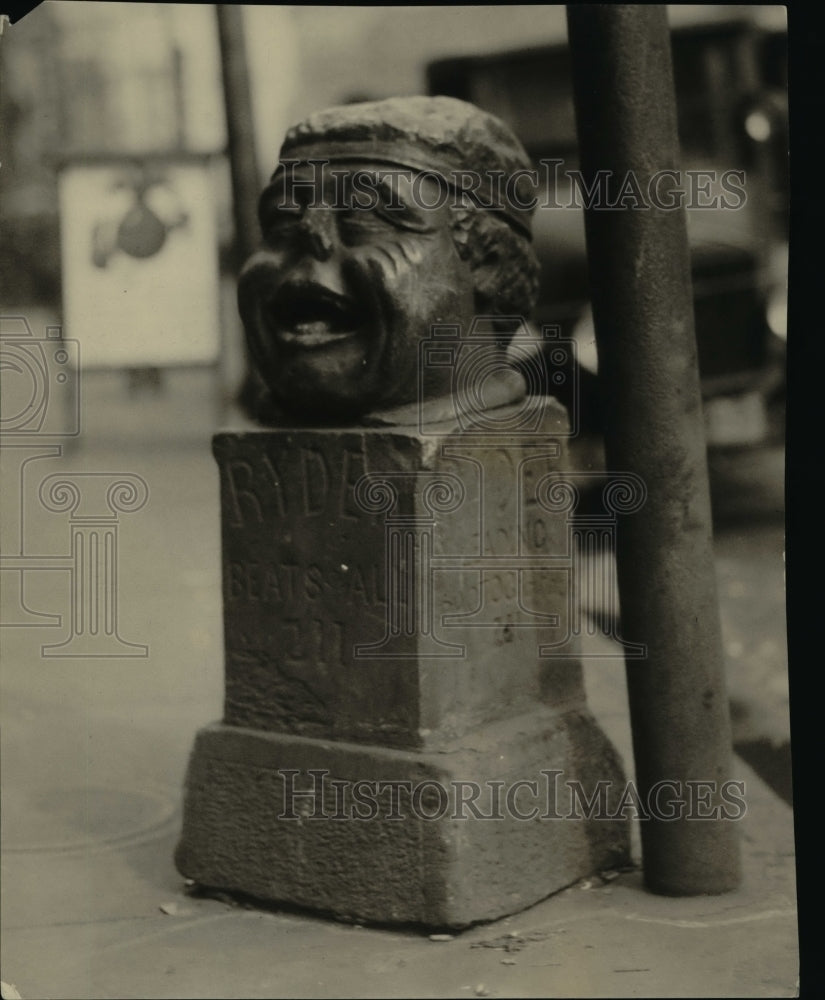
[
  {"x": 260, "y": 276},
  {"x": 378, "y": 276},
  {"x": 255, "y": 284},
  {"x": 387, "y": 258}
]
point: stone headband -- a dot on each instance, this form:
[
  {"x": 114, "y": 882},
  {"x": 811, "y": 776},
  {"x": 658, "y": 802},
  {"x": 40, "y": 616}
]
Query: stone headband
[{"x": 512, "y": 197}]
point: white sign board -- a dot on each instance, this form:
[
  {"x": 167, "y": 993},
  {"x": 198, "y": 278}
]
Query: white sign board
[{"x": 140, "y": 262}]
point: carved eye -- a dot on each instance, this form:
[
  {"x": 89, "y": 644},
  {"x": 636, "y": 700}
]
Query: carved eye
[
  {"x": 282, "y": 210},
  {"x": 355, "y": 220},
  {"x": 361, "y": 223},
  {"x": 278, "y": 217}
]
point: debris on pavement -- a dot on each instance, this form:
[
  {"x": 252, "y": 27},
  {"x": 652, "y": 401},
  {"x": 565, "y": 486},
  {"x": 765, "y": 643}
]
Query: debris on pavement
[
  {"x": 174, "y": 909},
  {"x": 513, "y": 941}
]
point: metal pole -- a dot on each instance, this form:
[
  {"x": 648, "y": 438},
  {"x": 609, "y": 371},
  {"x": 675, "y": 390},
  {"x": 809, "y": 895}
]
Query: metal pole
[
  {"x": 643, "y": 310},
  {"x": 246, "y": 183},
  {"x": 243, "y": 161}
]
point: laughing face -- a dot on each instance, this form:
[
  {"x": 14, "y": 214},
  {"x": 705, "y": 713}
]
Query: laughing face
[{"x": 349, "y": 283}]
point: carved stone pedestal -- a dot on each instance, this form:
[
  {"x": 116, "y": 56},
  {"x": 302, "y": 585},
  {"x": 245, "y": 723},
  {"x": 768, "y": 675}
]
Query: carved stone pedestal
[
  {"x": 405, "y": 736},
  {"x": 400, "y": 835}
]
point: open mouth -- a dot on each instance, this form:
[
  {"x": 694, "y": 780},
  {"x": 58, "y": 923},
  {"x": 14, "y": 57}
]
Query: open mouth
[{"x": 311, "y": 316}]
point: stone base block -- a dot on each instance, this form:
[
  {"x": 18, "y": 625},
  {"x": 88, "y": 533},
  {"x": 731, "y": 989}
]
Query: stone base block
[{"x": 475, "y": 831}]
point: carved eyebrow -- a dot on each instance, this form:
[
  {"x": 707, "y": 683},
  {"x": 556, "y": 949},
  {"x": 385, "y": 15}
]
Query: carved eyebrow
[
  {"x": 391, "y": 192},
  {"x": 380, "y": 195},
  {"x": 517, "y": 217},
  {"x": 399, "y": 210}
]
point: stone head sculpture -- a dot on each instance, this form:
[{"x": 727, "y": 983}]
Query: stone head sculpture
[{"x": 381, "y": 220}]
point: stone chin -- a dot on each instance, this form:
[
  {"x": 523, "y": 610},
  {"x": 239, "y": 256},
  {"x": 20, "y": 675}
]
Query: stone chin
[{"x": 317, "y": 382}]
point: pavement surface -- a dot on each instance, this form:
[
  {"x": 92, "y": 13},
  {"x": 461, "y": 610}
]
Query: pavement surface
[{"x": 94, "y": 753}]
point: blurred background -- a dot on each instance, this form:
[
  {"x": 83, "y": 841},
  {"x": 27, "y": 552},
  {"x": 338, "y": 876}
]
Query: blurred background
[
  {"x": 119, "y": 255},
  {"x": 137, "y": 88}
]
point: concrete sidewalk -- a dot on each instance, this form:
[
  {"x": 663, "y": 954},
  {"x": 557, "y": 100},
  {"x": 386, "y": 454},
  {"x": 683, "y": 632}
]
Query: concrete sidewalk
[{"x": 94, "y": 754}]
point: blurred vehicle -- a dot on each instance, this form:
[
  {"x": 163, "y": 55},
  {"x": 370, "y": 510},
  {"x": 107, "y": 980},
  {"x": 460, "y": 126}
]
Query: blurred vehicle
[{"x": 731, "y": 86}]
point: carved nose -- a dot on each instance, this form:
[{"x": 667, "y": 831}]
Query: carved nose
[{"x": 318, "y": 229}]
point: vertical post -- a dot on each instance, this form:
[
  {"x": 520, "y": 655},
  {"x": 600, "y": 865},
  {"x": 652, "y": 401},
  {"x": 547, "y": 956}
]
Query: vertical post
[
  {"x": 178, "y": 97},
  {"x": 239, "y": 129},
  {"x": 243, "y": 161},
  {"x": 642, "y": 303}
]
